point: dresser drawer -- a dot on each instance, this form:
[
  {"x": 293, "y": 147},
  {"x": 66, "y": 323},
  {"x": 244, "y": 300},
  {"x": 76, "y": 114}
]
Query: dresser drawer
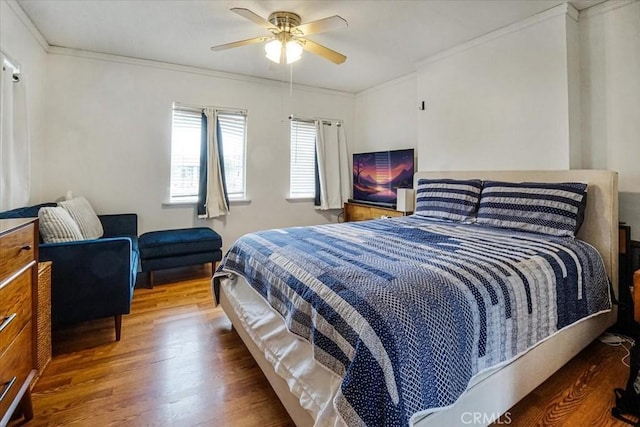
[
  {"x": 17, "y": 248},
  {"x": 360, "y": 214},
  {"x": 356, "y": 212},
  {"x": 15, "y": 307},
  {"x": 16, "y": 362}
]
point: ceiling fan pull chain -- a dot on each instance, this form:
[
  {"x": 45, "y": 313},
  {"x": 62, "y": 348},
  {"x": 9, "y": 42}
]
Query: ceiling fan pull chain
[{"x": 291, "y": 81}]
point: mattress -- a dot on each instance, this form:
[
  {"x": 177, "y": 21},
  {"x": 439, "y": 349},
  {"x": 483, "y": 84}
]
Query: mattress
[{"x": 410, "y": 310}]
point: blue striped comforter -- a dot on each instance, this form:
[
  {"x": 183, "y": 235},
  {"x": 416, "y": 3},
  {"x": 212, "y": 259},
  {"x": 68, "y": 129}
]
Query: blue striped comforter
[{"x": 408, "y": 310}]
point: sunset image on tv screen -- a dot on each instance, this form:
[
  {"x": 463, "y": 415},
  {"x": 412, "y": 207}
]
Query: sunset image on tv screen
[{"x": 376, "y": 176}]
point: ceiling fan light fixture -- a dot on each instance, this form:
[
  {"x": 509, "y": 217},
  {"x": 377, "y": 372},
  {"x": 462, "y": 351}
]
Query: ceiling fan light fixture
[
  {"x": 293, "y": 51},
  {"x": 273, "y": 50},
  {"x": 279, "y": 51}
]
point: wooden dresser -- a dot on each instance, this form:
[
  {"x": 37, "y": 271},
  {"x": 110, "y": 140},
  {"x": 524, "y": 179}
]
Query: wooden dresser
[
  {"x": 18, "y": 280},
  {"x": 362, "y": 212}
]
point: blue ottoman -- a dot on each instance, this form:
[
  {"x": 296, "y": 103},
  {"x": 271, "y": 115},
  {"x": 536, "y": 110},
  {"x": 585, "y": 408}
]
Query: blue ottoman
[{"x": 164, "y": 249}]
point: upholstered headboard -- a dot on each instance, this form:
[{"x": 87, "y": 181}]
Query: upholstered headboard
[{"x": 600, "y": 227}]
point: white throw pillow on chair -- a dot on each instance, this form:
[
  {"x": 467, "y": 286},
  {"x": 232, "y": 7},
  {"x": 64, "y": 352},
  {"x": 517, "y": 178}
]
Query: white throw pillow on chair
[
  {"x": 83, "y": 214},
  {"x": 56, "y": 225}
]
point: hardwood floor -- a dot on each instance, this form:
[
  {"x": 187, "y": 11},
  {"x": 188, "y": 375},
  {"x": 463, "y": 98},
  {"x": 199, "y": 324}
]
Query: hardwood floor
[
  {"x": 179, "y": 363},
  {"x": 580, "y": 394}
]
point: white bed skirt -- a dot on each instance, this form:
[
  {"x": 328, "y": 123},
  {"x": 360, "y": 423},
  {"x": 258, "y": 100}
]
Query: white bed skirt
[
  {"x": 290, "y": 356},
  {"x": 307, "y": 388}
]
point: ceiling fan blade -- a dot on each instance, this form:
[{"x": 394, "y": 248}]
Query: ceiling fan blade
[
  {"x": 239, "y": 43},
  {"x": 331, "y": 23},
  {"x": 251, "y": 16},
  {"x": 325, "y": 52}
]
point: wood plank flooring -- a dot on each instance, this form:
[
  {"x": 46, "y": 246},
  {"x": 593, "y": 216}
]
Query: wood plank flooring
[{"x": 179, "y": 363}]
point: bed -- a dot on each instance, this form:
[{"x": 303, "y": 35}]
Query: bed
[{"x": 308, "y": 378}]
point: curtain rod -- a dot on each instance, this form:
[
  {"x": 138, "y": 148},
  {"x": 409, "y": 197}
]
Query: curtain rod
[
  {"x": 182, "y": 106},
  {"x": 325, "y": 120}
]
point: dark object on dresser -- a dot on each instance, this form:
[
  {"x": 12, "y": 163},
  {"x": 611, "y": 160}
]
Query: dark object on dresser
[
  {"x": 91, "y": 279},
  {"x": 165, "y": 249}
]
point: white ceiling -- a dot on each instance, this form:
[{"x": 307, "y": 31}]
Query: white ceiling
[{"x": 383, "y": 41}]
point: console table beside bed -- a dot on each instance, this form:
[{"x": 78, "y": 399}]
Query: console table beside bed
[{"x": 362, "y": 212}]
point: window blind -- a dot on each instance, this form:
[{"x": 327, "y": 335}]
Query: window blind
[
  {"x": 233, "y": 127},
  {"x": 302, "y": 179},
  {"x": 185, "y": 154}
]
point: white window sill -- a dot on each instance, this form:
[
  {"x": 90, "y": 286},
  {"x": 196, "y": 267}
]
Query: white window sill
[
  {"x": 299, "y": 199},
  {"x": 179, "y": 203},
  {"x": 189, "y": 204}
]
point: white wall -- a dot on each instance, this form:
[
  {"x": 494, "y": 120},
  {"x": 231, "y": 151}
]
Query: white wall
[
  {"x": 501, "y": 102},
  {"x": 554, "y": 94},
  {"x": 610, "y": 62},
  {"x": 109, "y": 134},
  {"x": 17, "y": 41},
  {"x": 386, "y": 116}
]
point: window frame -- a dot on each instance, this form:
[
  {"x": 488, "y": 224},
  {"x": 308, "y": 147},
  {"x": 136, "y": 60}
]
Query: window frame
[{"x": 193, "y": 199}]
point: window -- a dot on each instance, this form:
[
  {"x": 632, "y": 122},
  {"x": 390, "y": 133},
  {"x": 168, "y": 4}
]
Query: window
[
  {"x": 233, "y": 126},
  {"x": 185, "y": 153},
  {"x": 302, "y": 180}
]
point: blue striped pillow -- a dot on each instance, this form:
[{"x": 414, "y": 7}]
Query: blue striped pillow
[
  {"x": 548, "y": 208},
  {"x": 448, "y": 198}
]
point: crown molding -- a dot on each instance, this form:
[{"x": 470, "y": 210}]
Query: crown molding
[
  {"x": 26, "y": 21},
  {"x": 605, "y": 7},
  {"x": 86, "y": 54},
  {"x": 572, "y": 12},
  {"x": 562, "y": 9},
  {"x": 387, "y": 84}
]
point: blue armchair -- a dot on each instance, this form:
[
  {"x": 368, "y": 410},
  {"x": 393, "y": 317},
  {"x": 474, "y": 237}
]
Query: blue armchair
[{"x": 91, "y": 279}]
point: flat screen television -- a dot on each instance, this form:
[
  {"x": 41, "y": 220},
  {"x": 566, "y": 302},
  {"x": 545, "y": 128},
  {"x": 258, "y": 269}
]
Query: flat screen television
[{"x": 377, "y": 176}]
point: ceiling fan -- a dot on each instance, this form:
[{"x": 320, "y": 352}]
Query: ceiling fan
[{"x": 288, "y": 36}]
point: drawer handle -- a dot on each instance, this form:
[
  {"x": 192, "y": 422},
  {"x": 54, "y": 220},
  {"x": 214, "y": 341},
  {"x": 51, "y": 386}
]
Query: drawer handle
[
  {"x": 7, "y": 320},
  {"x": 6, "y": 387},
  {"x": 26, "y": 248}
]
